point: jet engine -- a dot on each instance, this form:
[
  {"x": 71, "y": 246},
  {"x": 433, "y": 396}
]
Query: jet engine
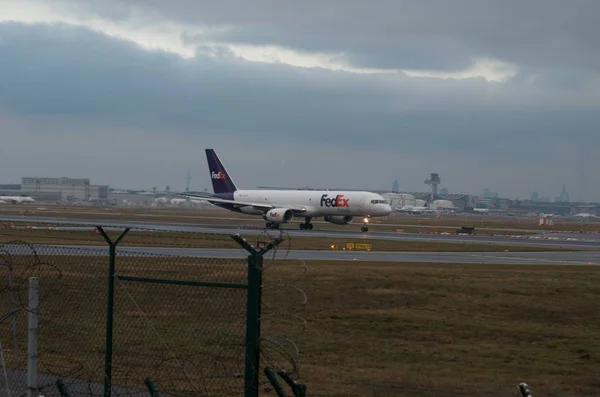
[
  {"x": 279, "y": 215},
  {"x": 339, "y": 220}
]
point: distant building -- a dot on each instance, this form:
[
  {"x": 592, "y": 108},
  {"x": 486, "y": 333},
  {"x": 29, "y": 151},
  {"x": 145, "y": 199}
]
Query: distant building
[
  {"x": 69, "y": 189},
  {"x": 399, "y": 200},
  {"x": 591, "y": 209},
  {"x": 485, "y": 202},
  {"x": 442, "y": 205},
  {"x": 459, "y": 201},
  {"x": 535, "y": 197},
  {"x": 503, "y": 203},
  {"x": 395, "y": 187},
  {"x": 10, "y": 187},
  {"x": 488, "y": 194},
  {"x": 528, "y": 206}
]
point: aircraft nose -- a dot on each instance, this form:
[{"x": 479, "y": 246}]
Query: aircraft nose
[{"x": 385, "y": 209}]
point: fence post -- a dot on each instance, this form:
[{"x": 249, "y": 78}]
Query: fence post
[
  {"x": 62, "y": 388},
  {"x": 255, "y": 263},
  {"x": 13, "y": 319},
  {"x": 112, "y": 249},
  {"x": 32, "y": 337},
  {"x": 7, "y": 383},
  {"x": 13, "y": 311},
  {"x": 253, "y": 312},
  {"x": 151, "y": 387}
]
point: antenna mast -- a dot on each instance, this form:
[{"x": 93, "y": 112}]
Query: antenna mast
[{"x": 188, "y": 178}]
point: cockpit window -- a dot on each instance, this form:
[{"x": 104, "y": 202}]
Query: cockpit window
[{"x": 378, "y": 202}]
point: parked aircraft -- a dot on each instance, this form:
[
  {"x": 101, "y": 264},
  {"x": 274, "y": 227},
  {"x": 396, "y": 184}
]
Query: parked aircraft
[
  {"x": 282, "y": 206},
  {"x": 584, "y": 215},
  {"x": 16, "y": 199},
  {"x": 413, "y": 209}
]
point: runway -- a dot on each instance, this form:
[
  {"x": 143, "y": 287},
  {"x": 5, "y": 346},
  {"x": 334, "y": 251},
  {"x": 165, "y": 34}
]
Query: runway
[
  {"x": 567, "y": 241},
  {"x": 490, "y": 258},
  {"x": 256, "y": 221}
]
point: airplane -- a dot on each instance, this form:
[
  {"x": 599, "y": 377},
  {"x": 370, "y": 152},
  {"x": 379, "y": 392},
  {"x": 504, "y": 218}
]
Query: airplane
[
  {"x": 178, "y": 201},
  {"x": 16, "y": 199},
  {"x": 282, "y": 206},
  {"x": 414, "y": 209},
  {"x": 584, "y": 215}
]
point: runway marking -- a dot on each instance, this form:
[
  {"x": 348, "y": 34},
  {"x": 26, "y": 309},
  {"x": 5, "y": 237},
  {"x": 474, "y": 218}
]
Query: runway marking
[{"x": 540, "y": 260}]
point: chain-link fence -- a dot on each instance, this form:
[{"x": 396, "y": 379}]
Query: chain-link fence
[
  {"x": 139, "y": 319},
  {"x": 181, "y": 313}
]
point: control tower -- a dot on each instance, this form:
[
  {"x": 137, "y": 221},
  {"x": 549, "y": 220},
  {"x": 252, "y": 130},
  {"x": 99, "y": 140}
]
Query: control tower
[{"x": 434, "y": 180}]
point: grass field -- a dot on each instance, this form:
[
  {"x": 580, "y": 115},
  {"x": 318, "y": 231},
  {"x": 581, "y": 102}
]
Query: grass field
[
  {"x": 372, "y": 329},
  {"x": 410, "y": 223},
  {"x": 412, "y": 329},
  {"x": 199, "y": 240}
]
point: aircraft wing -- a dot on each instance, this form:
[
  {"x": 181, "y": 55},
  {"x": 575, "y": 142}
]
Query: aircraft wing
[{"x": 260, "y": 206}]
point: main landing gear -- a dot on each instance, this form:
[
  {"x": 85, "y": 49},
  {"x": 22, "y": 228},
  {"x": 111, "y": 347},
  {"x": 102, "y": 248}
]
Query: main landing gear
[
  {"x": 271, "y": 225},
  {"x": 306, "y": 225}
]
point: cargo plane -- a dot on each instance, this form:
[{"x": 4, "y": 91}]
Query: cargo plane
[{"x": 282, "y": 206}]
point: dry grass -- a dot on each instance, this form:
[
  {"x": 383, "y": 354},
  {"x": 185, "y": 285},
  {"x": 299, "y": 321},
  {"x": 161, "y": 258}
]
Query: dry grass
[
  {"x": 435, "y": 329},
  {"x": 199, "y": 240},
  {"x": 409, "y": 223},
  {"x": 372, "y": 329}
]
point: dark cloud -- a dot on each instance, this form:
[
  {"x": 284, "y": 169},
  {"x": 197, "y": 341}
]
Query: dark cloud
[
  {"x": 131, "y": 117},
  {"x": 436, "y": 34}
]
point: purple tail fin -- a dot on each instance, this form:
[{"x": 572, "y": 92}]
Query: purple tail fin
[{"x": 221, "y": 181}]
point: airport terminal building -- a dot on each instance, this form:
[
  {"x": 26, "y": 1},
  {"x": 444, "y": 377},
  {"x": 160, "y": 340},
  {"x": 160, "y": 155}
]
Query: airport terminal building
[{"x": 63, "y": 189}]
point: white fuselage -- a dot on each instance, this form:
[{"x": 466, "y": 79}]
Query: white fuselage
[
  {"x": 17, "y": 199},
  {"x": 414, "y": 209},
  {"x": 318, "y": 202}
]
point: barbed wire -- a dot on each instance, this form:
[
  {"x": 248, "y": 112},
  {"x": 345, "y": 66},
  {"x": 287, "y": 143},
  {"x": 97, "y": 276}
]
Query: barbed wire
[
  {"x": 281, "y": 318},
  {"x": 62, "y": 267}
]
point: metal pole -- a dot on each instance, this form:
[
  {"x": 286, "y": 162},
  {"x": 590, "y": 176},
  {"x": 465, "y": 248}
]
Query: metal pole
[
  {"x": 275, "y": 382},
  {"x": 13, "y": 319},
  {"x": 151, "y": 387},
  {"x": 4, "y": 368},
  {"x": 62, "y": 388},
  {"x": 109, "y": 323},
  {"x": 297, "y": 389},
  {"x": 255, "y": 262},
  {"x": 253, "y": 312},
  {"x": 32, "y": 338},
  {"x": 112, "y": 249}
]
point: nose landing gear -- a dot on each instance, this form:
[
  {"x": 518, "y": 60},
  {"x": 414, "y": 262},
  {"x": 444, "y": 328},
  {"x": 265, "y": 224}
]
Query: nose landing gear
[{"x": 365, "y": 227}]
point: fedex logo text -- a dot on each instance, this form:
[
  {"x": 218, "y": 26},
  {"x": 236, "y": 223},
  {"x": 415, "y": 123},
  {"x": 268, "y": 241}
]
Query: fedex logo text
[
  {"x": 217, "y": 175},
  {"x": 337, "y": 201}
]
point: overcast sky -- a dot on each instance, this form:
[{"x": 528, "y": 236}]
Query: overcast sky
[{"x": 499, "y": 94}]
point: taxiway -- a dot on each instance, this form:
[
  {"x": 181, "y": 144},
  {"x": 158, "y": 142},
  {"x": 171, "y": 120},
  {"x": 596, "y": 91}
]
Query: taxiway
[
  {"x": 490, "y": 258},
  {"x": 566, "y": 241}
]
